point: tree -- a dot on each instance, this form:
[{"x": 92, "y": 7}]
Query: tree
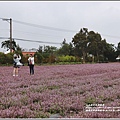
[
  {"x": 109, "y": 52},
  {"x": 118, "y": 50},
  {"x": 39, "y": 49},
  {"x": 65, "y": 49},
  {"x": 71, "y": 49},
  {"x": 95, "y": 46},
  {"x": 49, "y": 53},
  {"x": 39, "y": 57},
  {"x": 49, "y": 49},
  {"x": 18, "y": 48},
  {"x": 6, "y": 44},
  {"x": 80, "y": 42}
]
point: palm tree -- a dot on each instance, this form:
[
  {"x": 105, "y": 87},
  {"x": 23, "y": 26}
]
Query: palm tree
[{"x": 7, "y": 44}]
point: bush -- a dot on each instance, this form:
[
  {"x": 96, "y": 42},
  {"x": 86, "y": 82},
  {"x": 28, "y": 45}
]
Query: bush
[
  {"x": 6, "y": 58},
  {"x": 66, "y": 58}
]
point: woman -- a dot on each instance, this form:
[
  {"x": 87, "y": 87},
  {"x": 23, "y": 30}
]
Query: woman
[
  {"x": 31, "y": 64},
  {"x": 17, "y": 64}
]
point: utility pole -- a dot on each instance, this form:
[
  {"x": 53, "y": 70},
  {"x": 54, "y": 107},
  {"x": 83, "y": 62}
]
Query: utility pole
[
  {"x": 10, "y": 21},
  {"x": 10, "y": 35}
]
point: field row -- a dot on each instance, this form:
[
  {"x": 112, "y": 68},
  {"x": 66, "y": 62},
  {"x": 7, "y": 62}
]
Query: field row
[{"x": 62, "y": 89}]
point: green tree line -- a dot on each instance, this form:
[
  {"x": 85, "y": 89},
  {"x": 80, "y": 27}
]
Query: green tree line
[{"x": 85, "y": 47}]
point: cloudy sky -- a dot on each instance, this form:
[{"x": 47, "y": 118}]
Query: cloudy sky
[{"x": 52, "y": 21}]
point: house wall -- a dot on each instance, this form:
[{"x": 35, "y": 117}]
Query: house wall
[{"x": 27, "y": 53}]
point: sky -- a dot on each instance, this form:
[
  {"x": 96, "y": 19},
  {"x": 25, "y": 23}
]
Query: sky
[{"x": 50, "y": 22}]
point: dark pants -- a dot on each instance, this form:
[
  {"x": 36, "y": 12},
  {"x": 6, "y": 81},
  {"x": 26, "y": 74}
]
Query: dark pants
[{"x": 31, "y": 69}]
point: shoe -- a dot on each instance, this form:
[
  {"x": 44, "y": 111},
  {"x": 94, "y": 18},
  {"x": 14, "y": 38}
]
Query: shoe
[
  {"x": 16, "y": 75},
  {"x": 13, "y": 75}
]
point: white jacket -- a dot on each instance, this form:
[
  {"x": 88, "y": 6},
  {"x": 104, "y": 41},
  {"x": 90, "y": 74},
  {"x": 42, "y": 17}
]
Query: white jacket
[{"x": 17, "y": 60}]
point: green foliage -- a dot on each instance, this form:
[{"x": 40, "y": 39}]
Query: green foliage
[
  {"x": 9, "y": 58},
  {"x": 6, "y": 58},
  {"x": 80, "y": 42},
  {"x": 83, "y": 44},
  {"x": 7, "y": 44},
  {"x": 2, "y": 58},
  {"x": 109, "y": 52},
  {"x": 90, "y": 100},
  {"x": 66, "y": 49},
  {"x": 39, "y": 57},
  {"x": 88, "y": 42},
  {"x": 54, "y": 109},
  {"x": 41, "y": 114},
  {"x": 52, "y": 58},
  {"x": 53, "y": 87},
  {"x": 49, "y": 49},
  {"x": 66, "y": 58}
]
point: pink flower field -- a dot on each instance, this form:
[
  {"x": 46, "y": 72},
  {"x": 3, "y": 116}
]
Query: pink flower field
[{"x": 66, "y": 90}]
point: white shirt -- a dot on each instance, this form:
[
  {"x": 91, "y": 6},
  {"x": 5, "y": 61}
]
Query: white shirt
[{"x": 32, "y": 60}]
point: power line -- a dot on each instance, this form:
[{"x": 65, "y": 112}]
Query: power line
[
  {"x": 112, "y": 36},
  {"x": 52, "y": 28},
  {"x": 44, "y": 41},
  {"x": 4, "y": 38},
  {"x": 42, "y": 35},
  {"x": 44, "y": 27},
  {"x": 53, "y": 35},
  {"x": 36, "y": 41},
  {"x": 30, "y": 40},
  {"x": 45, "y": 35}
]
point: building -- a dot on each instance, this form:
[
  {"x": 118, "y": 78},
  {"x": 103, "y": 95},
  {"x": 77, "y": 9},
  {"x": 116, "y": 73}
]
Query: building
[{"x": 26, "y": 52}]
